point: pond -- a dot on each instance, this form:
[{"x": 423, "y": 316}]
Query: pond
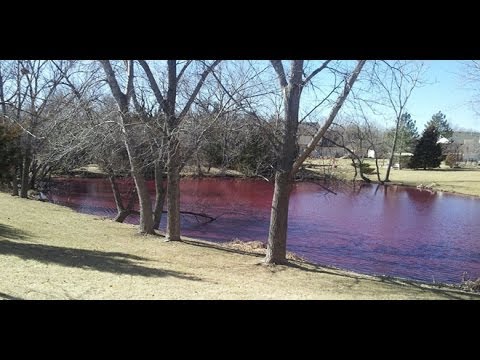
[{"x": 371, "y": 229}]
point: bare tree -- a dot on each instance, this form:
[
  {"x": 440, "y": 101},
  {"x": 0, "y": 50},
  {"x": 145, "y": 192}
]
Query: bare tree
[
  {"x": 129, "y": 122},
  {"x": 397, "y": 80},
  {"x": 175, "y": 113},
  {"x": 470, "y": 76},
  {"x": 33, "y": 85},
  {"x": 352, "y": 138},
  {"x": 288, "y": 161}
]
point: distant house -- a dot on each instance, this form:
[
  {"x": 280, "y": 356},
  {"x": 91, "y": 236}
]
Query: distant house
[
  {"x": 466, "y": 144},
  {"x": 325, "y": 148}
]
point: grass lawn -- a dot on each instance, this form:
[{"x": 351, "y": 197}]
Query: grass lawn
[
  {"x": 51, "y": 252},
  {"x": 463, "y": 181}
]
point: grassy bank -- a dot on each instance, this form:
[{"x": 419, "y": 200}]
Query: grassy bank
[
  {"x": 463, "y": 181},
  {"x": 51, "y": 252}
]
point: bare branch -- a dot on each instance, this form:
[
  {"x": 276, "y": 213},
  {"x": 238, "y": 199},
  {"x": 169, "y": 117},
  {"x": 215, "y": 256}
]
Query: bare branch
[
  {"x": 278, "y": 67},
  {"x": 113, "y": 83},
  {"x": 341, "y": 99},
  {"x": 153, "y": 84},
  {"x": 195, "y": 92},
  {"x": 315, "y": 72},
  {"x": 183, "y": 70}
]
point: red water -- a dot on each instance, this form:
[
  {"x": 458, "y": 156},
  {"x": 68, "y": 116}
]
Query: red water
[{"x": 372, "y": 229}]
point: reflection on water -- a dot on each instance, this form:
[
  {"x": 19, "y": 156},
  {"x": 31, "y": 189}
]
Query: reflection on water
[{"x": 372, "y": 229}]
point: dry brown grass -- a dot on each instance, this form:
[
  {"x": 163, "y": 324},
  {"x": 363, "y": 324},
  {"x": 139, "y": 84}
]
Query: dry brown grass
[{"x": 51, "y": 252}]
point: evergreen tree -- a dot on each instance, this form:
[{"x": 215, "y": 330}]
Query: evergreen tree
[
  {"x": 439, "y": 120},
  {"x": 407, "y": 134},
  {"x": 427, "y": 152}
]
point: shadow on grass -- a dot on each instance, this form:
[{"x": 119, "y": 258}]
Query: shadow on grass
[
  {"x": 446, "y": 290},
  {"x": 450, "y": 293},
  {"x": 445, "y": 170},
  {"x": 9, "y": 232},
  {"x": 4, "y": 296},
  {"x": 111, "y": 262}
]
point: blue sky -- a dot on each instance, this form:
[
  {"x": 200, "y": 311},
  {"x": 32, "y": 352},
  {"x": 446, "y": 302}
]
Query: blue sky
[{"x": 444, "y": 91}]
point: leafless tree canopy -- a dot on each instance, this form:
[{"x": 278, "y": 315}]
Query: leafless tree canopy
[{"x": 149, "y": 120}]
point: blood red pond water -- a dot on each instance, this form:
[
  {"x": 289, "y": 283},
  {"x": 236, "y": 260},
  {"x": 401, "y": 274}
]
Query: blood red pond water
[{"x": 372, "y": 229}]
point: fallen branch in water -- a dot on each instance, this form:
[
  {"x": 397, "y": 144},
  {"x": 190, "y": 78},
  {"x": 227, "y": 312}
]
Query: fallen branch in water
[
  {"x": 198, "y": 214},
  {"x": 263, "y": 177},
  {"x": 326, "y": 188},
  {"x": 210, "y": 218}
]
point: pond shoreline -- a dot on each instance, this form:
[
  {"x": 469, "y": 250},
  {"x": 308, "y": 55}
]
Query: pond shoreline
[
  {"x": 85, "y": 257},
  {"x": 381, "y": 236},
  {"x": 304, "y": 175}
]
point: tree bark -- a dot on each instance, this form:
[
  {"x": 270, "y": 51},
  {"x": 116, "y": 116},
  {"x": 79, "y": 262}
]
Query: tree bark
[
  {"x": 277, "y": 235},
  {"x": 2, "y": 98},
  {"x": 146, "y": 218},
  {"x": 378, "y": 168},
  {"x": 123, "y": 214},
  {"x": 159, "y": 195},
  {"x": 24, "y": 185},
  {"x": 173, "y": 191},
  {"x": 395, "y": 137},
  {"x": 146, "y": 213},
  {"x": 33, "y": 179},
  {"x": 118, "y": 199},
  {"x": 14, "y": 181}
]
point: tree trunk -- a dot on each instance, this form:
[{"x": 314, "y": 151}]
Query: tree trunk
[
  {"x": 395, "y": 138},
  {"x": 14, "y": 181},
  {"x": 159, "y": 195},
  {"x": 173, "y": 191},
  {"x": 2, "y": 98},
  {"x": 199, "y": 167},
  {"x": 27, "y": 160},
  {"x": 354, "y": 164},
  {"x": 128, "y": 129},
  {"x": 146, "y": 214},
  {"x": 287, "y": 166},
  {"x": 146, "y": 218},
  {"x": 145, "y": 203},
  {"x": 378, "y": 169},
  {"x": 33, "y": 179},
  {"x": 124, "y": 213},
  {"x": 277, "y": 235},
  {"x": 121, "y": 212}
]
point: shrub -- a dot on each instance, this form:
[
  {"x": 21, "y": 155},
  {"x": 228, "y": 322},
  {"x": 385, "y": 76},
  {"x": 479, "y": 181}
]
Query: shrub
[
  {"x": 366, "y": 169},
  {"x": 451, "y": 160}
]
